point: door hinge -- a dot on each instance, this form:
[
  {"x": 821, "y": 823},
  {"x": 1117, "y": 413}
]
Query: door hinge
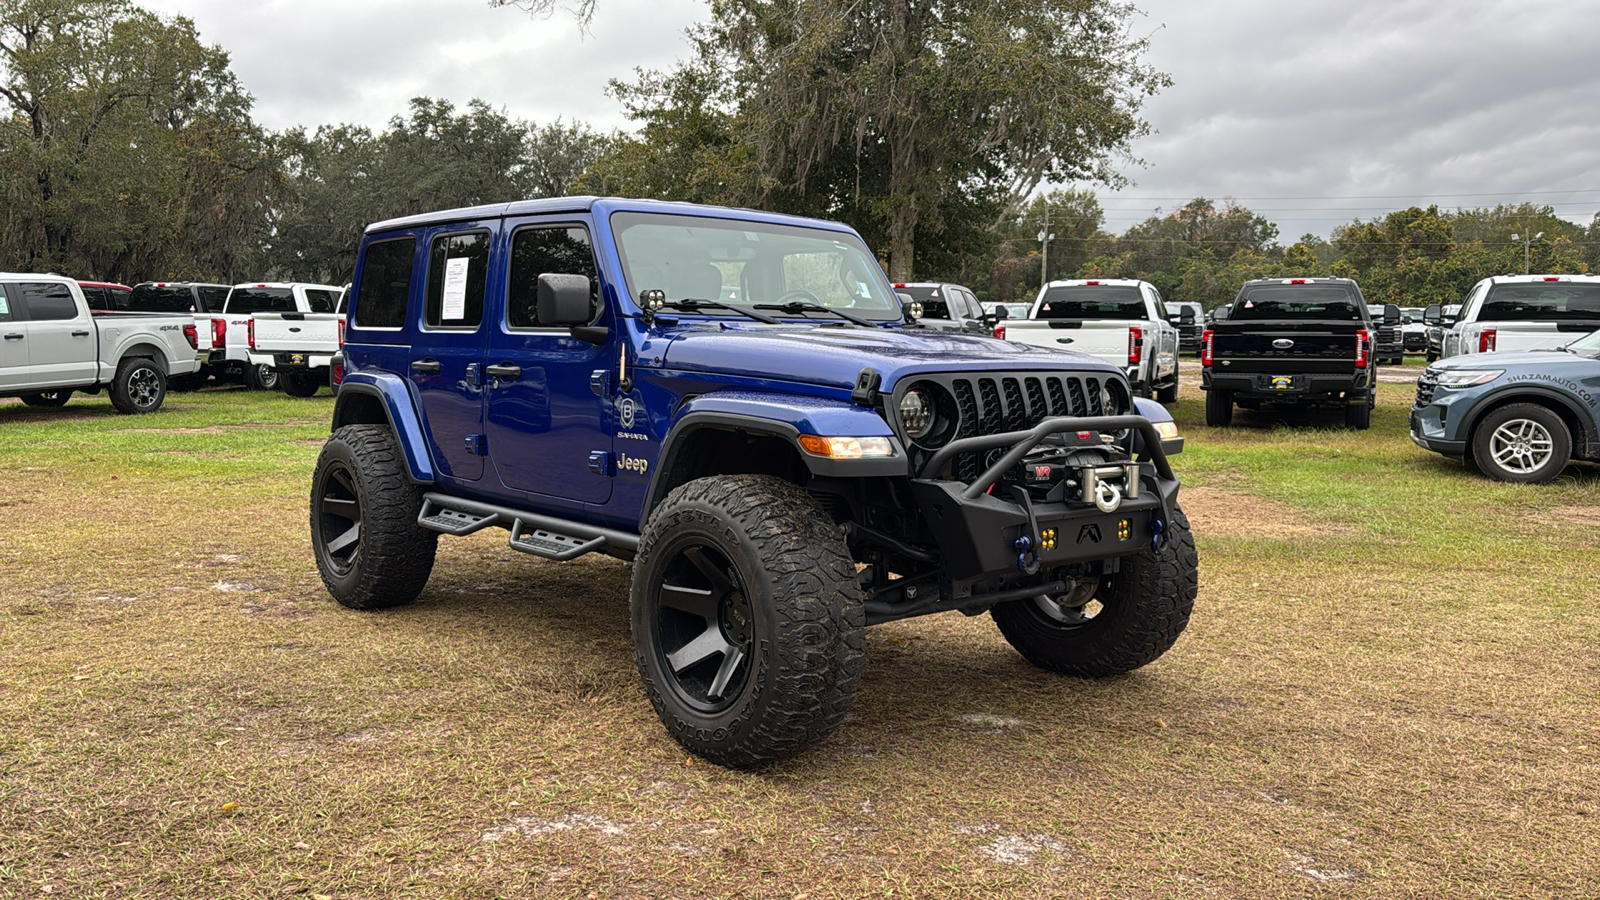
[
  {"x": 478, "y": 444},
  {"x": 600, "y": 462},
  {"x": 600, "y": 382},
  {"x": 474, "y": 375}
]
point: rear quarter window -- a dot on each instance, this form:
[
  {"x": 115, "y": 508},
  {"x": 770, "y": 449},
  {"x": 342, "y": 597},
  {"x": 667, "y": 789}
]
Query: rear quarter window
[
  {"x": 1296, "y": 301},
  {"x": 1092, "y": 301},
  {"x": 384, "y": 284}
]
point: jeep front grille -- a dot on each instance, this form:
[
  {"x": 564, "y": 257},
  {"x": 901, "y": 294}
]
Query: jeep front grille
[{"x": 992, "y": 403}]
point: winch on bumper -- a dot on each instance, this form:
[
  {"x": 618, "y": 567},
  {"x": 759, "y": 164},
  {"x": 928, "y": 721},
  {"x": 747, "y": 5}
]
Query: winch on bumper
[{"x": 1049, "y": 496}]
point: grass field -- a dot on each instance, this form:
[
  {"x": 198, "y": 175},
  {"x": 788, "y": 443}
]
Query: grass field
[{"x": 1388, "y": 689}]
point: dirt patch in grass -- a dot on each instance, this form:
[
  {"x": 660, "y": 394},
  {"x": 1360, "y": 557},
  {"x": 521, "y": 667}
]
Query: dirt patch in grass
[
  {"x": 1238, "y": 513},
  {"x": 1581, "y": 516}
]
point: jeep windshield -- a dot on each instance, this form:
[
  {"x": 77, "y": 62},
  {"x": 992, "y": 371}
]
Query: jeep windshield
[
  {"x": 1092, "y": 301},
  {"x": 1545, "y": 301},
  {"x": 1296, "y": 301},
  {"x": 743, "y": 263}
]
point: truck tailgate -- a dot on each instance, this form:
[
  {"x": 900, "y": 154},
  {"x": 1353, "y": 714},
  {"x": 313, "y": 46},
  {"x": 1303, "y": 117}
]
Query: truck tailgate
[
  {"x": 307, "y": 333},
  {"x": 1284, "y": 348},
  {"x": 1107, "y": 341}
]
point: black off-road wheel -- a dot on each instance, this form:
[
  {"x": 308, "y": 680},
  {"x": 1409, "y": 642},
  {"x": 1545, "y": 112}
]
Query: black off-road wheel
[
  {"x": 748, "y": 622},
  {"x": 370, "y": 550},
  {"x": 1114, "y": 624},
  {"x": 1219, "y": 408},
  {"x": 1521, "y": 442},
  {"x": 1358, "y": 414},
  {"x": 261, "y": 377},
  {"x": 138, "y": 387},
  {"x": 48, "y": 399},
  {"x": 301, "y": 383}
]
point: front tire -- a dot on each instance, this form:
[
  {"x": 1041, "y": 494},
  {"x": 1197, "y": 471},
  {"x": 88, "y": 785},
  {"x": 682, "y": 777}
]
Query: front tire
[
  {"x": 748, "y": 623},
  {"x": 370, "y": 550},
  {"x": 138, "y": 387},
  {"x": 1129, "y": 620},
  {"x": 301, "y": 383},
  {"x": 1522, "y": 442},
  {"x": 48, "y": 399},
  {"x": 1219, "y": 408},
  {"x": 261, "y": 377}
]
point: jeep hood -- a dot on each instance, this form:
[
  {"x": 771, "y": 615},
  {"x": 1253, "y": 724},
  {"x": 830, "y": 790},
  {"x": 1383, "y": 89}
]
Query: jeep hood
[{"x": 834, "y": 356}]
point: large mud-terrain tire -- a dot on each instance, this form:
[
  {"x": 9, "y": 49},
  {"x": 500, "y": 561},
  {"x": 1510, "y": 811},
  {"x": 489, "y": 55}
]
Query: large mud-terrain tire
[
  {"x": 748, "y": 623},
  {"x": 1521, "y": 442},
  {"x": 1219, "y": 408},
  {"x": 301, "y": 382},
  {"x": 1133, "y": 617},
  {"x": 370, "y": 550},
  {"x": 138, "y": 387},
  {"x": 1358, "y": 414},
  {"x": 261, "y": 377},
  {"x": 48, "y": 399}
]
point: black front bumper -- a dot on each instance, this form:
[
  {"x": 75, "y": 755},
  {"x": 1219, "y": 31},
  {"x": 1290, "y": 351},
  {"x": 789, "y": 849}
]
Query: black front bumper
[{"x": 978, "y": 531}]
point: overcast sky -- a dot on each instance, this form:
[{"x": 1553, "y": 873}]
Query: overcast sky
[{"x": 1311, "y": 112}]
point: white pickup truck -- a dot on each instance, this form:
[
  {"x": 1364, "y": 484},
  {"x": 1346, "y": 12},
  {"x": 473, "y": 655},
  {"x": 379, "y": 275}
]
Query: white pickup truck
[
  {"x": 52, "y": 344},
  {"x": 1120, "y": 321},
  {"x": 1521, "y": 312},
  {"x": 284, "y": 333}
]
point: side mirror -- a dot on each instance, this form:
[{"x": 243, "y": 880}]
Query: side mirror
[
  {"x": 1219, "y": 314},
  {"x": 563, "y": 300},
  {"x": 1000, "y": 312},
  {"x": 1391, "y": 314},
  {"x": 1186, "y": 316},
  {"x": 1430, "y": 316}
]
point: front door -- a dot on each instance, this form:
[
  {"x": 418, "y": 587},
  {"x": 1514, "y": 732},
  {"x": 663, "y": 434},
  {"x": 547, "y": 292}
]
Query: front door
[
  {"x": 446, "y": 360},
  {"x": 549, "y": 409},
  {"x": 13, "y": 345},
  {"x": 62, "y": 347}
]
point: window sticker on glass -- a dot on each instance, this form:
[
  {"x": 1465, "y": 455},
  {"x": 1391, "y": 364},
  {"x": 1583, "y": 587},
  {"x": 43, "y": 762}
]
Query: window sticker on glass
[
  {"x": 863, "y": 291},
  {"x": 455, "y": 288}
]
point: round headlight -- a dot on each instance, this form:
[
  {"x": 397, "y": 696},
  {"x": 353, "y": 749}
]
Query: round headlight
[{"x": 916, "y": 414}]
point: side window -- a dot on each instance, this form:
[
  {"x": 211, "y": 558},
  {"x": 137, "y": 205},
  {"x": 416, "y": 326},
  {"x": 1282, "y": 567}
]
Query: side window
[
  {"x": 458, "y": 272},
  {"x": 320, "y": 301},
  {"x": 5, "y": 305},
  {"x": 1160, "y": 306},
  {"x": 212, "y": 299},
  {"x": 974, "y": 309},
  {"x": 385, "y": 284},
  {"x": 48, "y": 301},
  {"x": 95, "y": 297},
  {"x": 562, "y": 250}
]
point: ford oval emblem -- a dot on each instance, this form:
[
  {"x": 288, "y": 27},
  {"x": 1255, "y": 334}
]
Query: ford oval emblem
[{"x": 1283, "y": 343}]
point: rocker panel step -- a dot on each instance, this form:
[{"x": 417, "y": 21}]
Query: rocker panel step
[
  {"x": 453, "y": 521},
  {"x": 552, "y": 545}
]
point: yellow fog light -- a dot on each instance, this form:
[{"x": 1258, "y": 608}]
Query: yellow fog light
[
  {"x": 1047, "y": 539},
  {"x": 847, "y": 447},
  {"x": 1167, "y": 430},
  {"x": 1124, "y": 529}
]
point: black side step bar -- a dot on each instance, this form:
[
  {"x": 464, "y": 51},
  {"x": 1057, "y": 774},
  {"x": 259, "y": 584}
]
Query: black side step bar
[{"x": 544, "y": 536}]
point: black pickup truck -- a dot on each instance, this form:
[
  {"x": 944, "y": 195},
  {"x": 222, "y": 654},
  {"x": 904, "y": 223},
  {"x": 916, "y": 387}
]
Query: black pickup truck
[{"x": 1292, "y": 342}]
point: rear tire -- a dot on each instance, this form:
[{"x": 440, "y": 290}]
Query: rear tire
[
  {"x": 1358, "y": 414},
  {"x": 370, "y": 550},
  {"x": 48, "y": 399},
  {"x": 1219, "y": 408},
  {"x": 1141, "y": 611},
  {"x": 138, "y": 387},
  {"x": 261, "y": 377},
  {"x": 1523, "y": 442},
  {"x": 301, "y": 383},
  {"x": 748, "y": 623}
]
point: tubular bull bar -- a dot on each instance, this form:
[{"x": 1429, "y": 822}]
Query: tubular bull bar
[{"x": 980, "y": 534}]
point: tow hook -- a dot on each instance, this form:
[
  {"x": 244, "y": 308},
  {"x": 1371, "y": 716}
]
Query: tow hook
[{"x": 1028, "y": 545}]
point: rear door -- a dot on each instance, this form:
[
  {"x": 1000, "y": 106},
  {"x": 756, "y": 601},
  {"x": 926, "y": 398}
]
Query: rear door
[
  {"x": 550, "y": 431},
  {"x": 13, "y": 344},
  {"x": 446, "y": 359},
  {"x": 62, "y": 345}
]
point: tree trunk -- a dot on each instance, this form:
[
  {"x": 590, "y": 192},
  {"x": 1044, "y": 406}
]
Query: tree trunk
[{"x": 901, "y": 247}]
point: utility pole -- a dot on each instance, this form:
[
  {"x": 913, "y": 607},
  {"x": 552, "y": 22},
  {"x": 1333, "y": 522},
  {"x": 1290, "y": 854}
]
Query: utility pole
[
  {"x": 1527, "y": 245},
  {"x": 1045, "y": 237}
]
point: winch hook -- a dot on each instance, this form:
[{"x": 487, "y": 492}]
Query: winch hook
[{"x": 1107, "y": 497}]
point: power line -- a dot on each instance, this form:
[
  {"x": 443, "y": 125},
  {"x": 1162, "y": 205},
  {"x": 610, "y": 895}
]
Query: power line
[{"x": 1378, "y": 196}]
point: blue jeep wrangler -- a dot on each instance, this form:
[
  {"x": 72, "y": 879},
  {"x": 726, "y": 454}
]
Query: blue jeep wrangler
[{"x": 740, "y": 404}]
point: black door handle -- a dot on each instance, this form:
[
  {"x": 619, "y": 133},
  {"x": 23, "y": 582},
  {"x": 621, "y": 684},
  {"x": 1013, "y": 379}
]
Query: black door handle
[
  {"x": 505, "y": 370},
  {"x": 80, "y": 334},
  {"x": 13, "y": 337},
  {"x": 426, "y": 367}
]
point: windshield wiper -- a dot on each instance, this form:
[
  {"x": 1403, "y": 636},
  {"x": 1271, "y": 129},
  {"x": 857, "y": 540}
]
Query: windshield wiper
[
  {"x": 693, "y": 305},
  {"x": 797, "y": 307}
]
